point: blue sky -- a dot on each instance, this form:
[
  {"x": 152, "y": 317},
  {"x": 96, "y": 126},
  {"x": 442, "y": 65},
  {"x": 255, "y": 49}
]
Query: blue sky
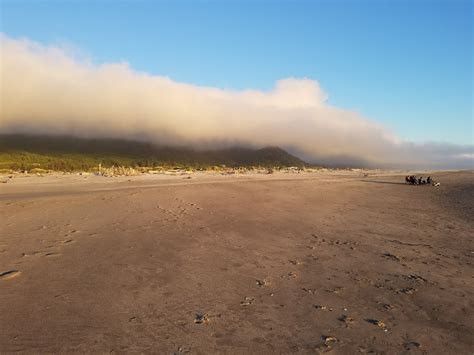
[{"x": 405, "y": 64}]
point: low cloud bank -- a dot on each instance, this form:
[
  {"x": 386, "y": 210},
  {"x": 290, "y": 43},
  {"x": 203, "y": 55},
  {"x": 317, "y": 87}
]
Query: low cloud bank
[{"x": 46, "y": 90}]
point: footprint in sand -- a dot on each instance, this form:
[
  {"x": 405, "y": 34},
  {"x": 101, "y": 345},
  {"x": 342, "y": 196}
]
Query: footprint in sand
[
  {"x": 407, "y": 290},
  {"x": 335, "y": 290},
  {"x": 411, "y": 345},
  {"x": 346, "y": 320},
  {"x": 309, "y": 290},
  {"x": 387, "y": 306},
  {"x": 417, "y": 278},
  {"x": 10, "y": 274},
  {"x": 34, "y": 253},
  {"x": 291, "y": 275},
  {"x": 391, "y": 256},
  {"x": 52, "y": 254}
]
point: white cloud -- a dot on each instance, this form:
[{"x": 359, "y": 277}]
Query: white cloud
[{"x": 44, "y": 89}]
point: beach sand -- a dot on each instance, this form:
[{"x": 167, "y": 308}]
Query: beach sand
[{"x": 281, "y": 263}]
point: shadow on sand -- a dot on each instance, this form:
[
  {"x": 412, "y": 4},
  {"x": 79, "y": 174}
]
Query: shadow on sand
[{"x": 384, "y": 182}]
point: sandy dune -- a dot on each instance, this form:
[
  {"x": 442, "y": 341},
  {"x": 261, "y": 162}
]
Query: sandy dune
[{"x": 283, "y": 263}]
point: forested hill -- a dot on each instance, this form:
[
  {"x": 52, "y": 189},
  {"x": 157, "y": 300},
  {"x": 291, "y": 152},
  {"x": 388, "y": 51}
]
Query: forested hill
[{"x": 71, "y": 153}]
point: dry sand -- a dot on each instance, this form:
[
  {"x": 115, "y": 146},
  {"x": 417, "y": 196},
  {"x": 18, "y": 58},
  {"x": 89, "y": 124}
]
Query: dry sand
[{"x": 262, "y": 264}]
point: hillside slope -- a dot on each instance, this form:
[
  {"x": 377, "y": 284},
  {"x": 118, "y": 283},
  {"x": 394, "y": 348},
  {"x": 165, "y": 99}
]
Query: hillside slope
[{"x": 71, "y": 153}]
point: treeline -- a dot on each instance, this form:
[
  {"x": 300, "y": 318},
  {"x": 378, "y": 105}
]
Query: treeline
[{"x": 23, "y": 152}]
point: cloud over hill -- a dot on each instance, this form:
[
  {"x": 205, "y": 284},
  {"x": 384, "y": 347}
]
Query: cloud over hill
[{"x": 47, "y": 90}]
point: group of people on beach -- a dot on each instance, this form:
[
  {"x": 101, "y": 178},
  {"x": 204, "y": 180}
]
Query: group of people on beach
[{"x": 413, "y": 180}]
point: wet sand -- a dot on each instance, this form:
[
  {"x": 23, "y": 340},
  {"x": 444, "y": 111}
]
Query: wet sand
[{"x": 284, "y": 263}]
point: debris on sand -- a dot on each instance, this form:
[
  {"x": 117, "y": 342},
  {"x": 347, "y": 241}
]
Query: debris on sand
[
  {"x": 261, "y": 283},
  {"x": 346, "y": 319},
  {"x": 183, "y": 350},
  {"x": 328, "y": 342},
  {"x": 247, "y": 301},
  {"x": 10, "y": 274},
  {"x": 329, "y": 339},
  {"x": 391, "y": 256},
  {"x": 201, "y": 318},
  {"x": 295, "y": 261},
  {"x": 378, "y": 323},
  {"x": 322, "y": 308},
  {"x": 322, "y": 348},
  {"x": 205, "y": 318}
]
